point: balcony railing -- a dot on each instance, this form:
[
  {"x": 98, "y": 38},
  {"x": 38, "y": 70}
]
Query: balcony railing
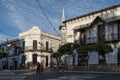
[
  {"x": 38, "y": 48},
  {"x": 110, "y": 37}
]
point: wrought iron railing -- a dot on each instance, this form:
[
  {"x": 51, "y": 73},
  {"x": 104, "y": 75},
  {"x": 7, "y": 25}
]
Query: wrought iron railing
[{"x": 38, "y": 48}]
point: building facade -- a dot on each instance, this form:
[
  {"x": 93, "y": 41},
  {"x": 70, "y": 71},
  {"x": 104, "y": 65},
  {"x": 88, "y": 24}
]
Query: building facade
[
  {"x": 29, "y": 48},
  {"x": 102, "y": 25}
]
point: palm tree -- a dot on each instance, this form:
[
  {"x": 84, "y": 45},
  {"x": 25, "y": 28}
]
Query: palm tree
[
  {"x": 83, "y": 53},
  {"x": 102, "y": 48}
]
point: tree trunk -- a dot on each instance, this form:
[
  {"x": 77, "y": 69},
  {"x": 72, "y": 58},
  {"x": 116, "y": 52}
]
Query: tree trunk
[
  {"x": 73, "y": 62},
  {"x": 104, "y": 59},
  {"x": 57, "y": 62}
]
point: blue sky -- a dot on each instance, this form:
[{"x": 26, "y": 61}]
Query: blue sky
[{"x": 17, "y": 16}]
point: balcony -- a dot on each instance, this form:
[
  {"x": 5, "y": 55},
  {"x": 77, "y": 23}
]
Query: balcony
[{"x": 39, "y": 48}]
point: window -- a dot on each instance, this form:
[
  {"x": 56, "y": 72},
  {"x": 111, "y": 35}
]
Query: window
[
  {"x": 112, "y": 31},
  {"x": 34, "y": 44},
  {"x": 91, "y": 35},
  {"x": 23, "y": 44},
  {"x": 47, "y": 45}
]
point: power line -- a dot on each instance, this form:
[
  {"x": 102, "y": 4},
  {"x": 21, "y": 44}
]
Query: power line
[
  {"x": 46, "y": 16},
  {"x": 8, "y": 34},
  {"x": 20, "y": 12},
  {"x": 1, "y": 31},
  {"x": 32, "y": 10}
]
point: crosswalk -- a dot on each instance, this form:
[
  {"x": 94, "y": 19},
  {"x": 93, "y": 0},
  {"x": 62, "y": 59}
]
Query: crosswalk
[{"x": 74, "y": 77}]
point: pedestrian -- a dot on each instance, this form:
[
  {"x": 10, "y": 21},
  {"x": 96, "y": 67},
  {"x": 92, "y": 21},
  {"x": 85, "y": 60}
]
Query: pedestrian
[
  {"x": 38, "y": 68},
  {"x": 41, "y": 67}
]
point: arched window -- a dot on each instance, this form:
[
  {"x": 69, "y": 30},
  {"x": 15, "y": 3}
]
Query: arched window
[
  {"x": 34, "y": 44},
  {"x": 47, "y": 45}
]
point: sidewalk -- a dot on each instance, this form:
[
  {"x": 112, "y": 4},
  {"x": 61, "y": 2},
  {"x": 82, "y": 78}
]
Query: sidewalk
[
  {"x": 9, "y": 75},
  {"x": 92, "y": 72},
  {"x": 6, "y": 73}
]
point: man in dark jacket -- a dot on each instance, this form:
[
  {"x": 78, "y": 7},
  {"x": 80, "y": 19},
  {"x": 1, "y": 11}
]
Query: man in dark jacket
[{"x": 38, "y": 68}]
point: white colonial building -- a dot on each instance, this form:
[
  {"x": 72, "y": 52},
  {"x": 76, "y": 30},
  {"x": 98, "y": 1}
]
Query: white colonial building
[
  {"x": 29, "y": 48},
  {"x": 101, "y": 25}
]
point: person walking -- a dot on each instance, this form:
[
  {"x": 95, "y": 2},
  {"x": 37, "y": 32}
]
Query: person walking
[
  {"x": 42, "y": 67},
  {"x": 38, "y": 68}
]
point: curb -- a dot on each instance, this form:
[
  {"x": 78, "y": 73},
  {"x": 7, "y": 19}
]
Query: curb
[{"x": 93, "y": 72}]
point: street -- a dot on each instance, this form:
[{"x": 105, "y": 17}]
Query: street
[
  {"x": 57, "y": 75},
  {"x": 74, "y": 76}
]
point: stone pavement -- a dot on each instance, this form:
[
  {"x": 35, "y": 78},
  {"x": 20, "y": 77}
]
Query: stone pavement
[{"x": 8, "y": 75}]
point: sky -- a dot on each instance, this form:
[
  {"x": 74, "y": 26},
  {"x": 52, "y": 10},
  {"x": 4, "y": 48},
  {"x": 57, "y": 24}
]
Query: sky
[{"x": 17, "y": 16}]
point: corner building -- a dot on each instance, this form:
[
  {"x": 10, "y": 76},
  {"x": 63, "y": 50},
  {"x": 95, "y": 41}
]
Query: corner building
[{"x": 29, "y": 48}]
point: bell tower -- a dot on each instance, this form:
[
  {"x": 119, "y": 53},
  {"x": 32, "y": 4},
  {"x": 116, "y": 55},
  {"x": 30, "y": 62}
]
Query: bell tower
[
  {"x": 63, "y": 15},
  {"x": 63, "y": 29}
]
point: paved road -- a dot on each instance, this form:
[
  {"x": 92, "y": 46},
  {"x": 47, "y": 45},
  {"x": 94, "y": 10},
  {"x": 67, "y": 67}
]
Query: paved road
[
  {"x": 74, "y": 76},
  {"x": 9, "y": 75},
  {"x": 52, "y": 75}
]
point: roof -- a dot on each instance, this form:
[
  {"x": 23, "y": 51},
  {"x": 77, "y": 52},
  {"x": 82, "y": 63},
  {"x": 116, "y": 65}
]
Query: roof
[{"x": 91, "y": 13}]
